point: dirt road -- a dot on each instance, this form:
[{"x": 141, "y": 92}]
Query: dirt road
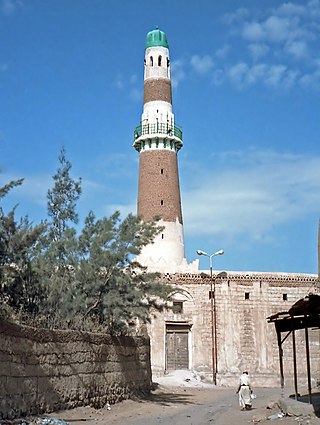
[
  {"x": 182, "y": 399},
  {"x": 184, "y": 405}
]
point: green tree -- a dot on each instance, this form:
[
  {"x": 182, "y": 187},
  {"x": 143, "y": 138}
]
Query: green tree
[
  {"x": 58, "y": 258},
  {"x": 19, "y": 286},
  {"x": 61, "y": 204},
  {"x": 75, "y": 280},
  {"x": 110, "y": 288},
  {"x": 6, "y": 188}
]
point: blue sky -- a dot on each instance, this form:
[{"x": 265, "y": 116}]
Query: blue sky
[{"x": 246, "y": 90}]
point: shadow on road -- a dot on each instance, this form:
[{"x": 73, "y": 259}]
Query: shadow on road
[
  {"x": 315, "y": 400},
  {"x": 165, "y": 397}
]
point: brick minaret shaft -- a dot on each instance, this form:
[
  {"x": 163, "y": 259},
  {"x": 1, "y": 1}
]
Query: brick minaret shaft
[{"x": 158, "y": 140}]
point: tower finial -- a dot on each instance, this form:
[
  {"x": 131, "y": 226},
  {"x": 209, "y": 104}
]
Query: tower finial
[{"x": 157, "y": 38}]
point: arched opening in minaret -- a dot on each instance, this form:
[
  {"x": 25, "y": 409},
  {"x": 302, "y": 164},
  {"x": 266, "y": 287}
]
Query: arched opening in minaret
[
  {"x": 151, "y": 60},
  {"x": 159, "y": 60},
  {"x": 161, "y": 202},
  {"x": 161, "y": 171}
]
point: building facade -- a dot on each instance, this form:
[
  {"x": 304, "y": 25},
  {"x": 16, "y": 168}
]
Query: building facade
[{"x": 182, "y": 338}]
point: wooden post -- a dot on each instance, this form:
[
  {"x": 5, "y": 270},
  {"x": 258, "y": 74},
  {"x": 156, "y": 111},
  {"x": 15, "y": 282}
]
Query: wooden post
[
  {"x": 281, "y": 362},
  {"x": 295, "y": 363},
  {"x": 308, "y": 358}
]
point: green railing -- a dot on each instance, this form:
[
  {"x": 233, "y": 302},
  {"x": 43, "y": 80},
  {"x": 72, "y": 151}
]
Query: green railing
[{"x": 158, "y": 128}]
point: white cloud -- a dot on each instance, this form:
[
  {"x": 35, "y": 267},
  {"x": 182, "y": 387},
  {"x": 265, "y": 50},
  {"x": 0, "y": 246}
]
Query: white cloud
[
  {"x": 134, "y": 79},
  {"x": 298, "y": 49},
  {"x": 238, "y": 74},
  {"x": 9, "y": 7},
  {"x": 218, "y": 77},
  {"x": 253, "y": 31},
  {"x": 256, "y": 73},
  {"x": 258, "y": 50},
  {"x": 124, "y": 209},
  {"x": 288, "y": 9},
  {"x": 311, "y": 80},
  {"x": 136, "y": 95},
  {"x": 129, "y": 84},
  {"x": 33, "y": 189},
  {"x": 252, "y": 195},
  {"x": 279, "y": 36},
  {"x": 291, "y": 77},
  {"x": 177, "y": 72},
  {"x": 202, "y": 64},
  {"x": 278, "y": 29},
  {"x": 222, "y": 52},
  {"x": 275, "y": 29},
  {"x": 238, "y": 15},
  {"x": 32, "y": 194},
  {"x": 277, "y": 76},
  {"x": 119, "y": 82},
  {"x": 314, "y": 8}
]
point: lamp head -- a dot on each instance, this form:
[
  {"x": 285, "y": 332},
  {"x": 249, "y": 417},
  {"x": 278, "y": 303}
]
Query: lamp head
[
  {"x": 199, "y": 252},
  {"x": 220, "y": 252}
]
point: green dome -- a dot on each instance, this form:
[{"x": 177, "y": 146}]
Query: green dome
[{"x": 157, "y": 38}]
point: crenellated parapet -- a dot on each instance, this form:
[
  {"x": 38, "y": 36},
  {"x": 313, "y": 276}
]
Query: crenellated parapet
[{"x": 271, "y": 278}]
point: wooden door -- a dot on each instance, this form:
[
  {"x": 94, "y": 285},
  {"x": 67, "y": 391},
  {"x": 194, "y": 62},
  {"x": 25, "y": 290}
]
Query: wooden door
[{"x": 177, "y": 354}]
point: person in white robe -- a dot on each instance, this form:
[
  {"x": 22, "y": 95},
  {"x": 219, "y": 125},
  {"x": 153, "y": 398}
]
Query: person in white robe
[{"x": 245, "y": 391}]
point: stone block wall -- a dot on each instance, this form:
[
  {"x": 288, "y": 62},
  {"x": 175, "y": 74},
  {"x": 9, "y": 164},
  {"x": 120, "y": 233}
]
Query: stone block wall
[
  {"x": 44, "y": 370},
  {"x": 245, "y": 339}
]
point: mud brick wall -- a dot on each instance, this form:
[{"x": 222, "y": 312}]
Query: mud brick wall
[{"x": 43, "y": 370}]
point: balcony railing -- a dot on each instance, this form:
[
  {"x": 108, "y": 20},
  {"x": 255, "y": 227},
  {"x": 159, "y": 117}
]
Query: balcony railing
[{"x": 158, "y": 128}]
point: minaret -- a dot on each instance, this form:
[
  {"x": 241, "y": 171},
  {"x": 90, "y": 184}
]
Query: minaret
[{"x": 158, "y": 140}]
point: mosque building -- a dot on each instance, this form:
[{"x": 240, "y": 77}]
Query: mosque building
[{"x": 218, "y": 324}]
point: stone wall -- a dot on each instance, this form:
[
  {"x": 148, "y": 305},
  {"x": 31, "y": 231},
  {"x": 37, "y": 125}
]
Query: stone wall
[
  {"x": 43, "y": 370},
  {"x": 245, "y": 339}
]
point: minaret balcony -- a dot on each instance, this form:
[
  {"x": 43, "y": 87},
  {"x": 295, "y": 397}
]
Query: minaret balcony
[{"x": 172, "y": 133}]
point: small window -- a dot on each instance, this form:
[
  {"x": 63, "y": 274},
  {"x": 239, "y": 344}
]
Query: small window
[
  {"x": 211, "y": 295},
  {"x": 162, "y": 236},
  {"x": 161, "y": 202},
  {"x": 151, "y": 60},
  {"x": 247, "y": 295},
  {"x": 285, "y": 297},
  {"x": 161, "y": 170},
  {"x": 159, "y": 60},
  {"x": 177, "y": 307},
  {"x": 168, "y": 62}
]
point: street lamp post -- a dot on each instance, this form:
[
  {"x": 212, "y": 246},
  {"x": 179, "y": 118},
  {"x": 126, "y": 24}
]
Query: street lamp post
[{"x": 213, "y": 314}]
